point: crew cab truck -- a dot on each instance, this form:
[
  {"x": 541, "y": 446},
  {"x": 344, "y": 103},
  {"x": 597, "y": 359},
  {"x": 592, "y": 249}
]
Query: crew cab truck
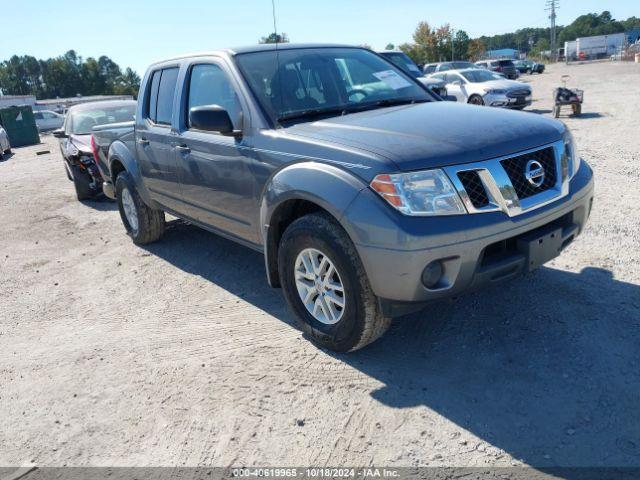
[{"x": 367, "y": 201}]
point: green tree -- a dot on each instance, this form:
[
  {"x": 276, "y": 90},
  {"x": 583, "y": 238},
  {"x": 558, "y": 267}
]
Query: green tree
[
  {"x": 390, "y": 46},
  {"x": 461, "y": 45},
  {"x": 476, "y": 49},
  {"x": 64, "y": 76},
  {"x": 275, "y": 38},
  {"x": 127, "y": 84}
]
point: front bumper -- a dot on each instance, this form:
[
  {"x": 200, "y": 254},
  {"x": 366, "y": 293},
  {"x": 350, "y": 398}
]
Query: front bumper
[{"x": 475, "y": 249}]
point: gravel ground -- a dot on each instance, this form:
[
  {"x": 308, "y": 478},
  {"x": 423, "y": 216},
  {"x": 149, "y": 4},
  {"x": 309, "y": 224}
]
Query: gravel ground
[{"x": 180, "y": 354}]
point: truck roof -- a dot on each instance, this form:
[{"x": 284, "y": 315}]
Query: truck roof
[{"x": 264, "y": 47}]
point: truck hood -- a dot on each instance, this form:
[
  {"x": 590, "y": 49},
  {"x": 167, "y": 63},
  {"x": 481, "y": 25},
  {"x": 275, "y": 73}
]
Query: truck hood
[{"x": 434, "y": 134}]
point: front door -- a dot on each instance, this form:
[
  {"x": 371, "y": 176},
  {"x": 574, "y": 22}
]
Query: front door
[{"x": 217, "y": 185}]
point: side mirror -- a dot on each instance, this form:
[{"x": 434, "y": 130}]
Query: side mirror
[
  {"x": 212, "y": 118},
  {"x": 59, "y": 133}
]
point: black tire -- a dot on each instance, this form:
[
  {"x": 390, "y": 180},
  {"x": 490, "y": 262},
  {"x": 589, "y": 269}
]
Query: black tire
[
  {"x": 151, "y": 221},
  {"x": 8, "y": 151},
  {"x": 476, "y": 100},
  {"x": 82, "y": 183},
  {"x": 362, "y": 320}
]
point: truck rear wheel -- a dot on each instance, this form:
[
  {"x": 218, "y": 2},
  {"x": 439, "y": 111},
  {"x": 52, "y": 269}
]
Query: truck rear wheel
[
  {"x": 326, "y": 286},
  {"x": 142, "y": 223}
]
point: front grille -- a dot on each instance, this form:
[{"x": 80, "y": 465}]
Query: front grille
[
  {"x": 516, "y": 166},
  {"x": 518, "y": 93},
  {"x": 475, "y": 189}
]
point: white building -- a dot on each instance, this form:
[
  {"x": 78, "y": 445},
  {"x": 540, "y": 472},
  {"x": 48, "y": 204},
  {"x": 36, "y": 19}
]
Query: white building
[{"x": 17, "y": 100}]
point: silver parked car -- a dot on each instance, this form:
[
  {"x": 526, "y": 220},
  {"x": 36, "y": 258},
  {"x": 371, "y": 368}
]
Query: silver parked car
[
  {"x": 444, "y": 66},
  {"x": 482, "y": 87},
  {"x": 5, "y": 145},
  {"x": 48, "y": 120}
]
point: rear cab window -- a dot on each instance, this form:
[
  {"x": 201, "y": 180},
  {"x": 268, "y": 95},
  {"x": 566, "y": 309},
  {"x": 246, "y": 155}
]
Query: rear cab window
[{"x": 161, "y": 93}]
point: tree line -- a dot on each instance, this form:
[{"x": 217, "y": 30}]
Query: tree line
[
  {"x": 66, "y": 76},
  {"x": 438, "y": 44}
]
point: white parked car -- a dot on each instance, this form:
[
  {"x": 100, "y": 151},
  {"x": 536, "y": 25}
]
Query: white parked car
[
  {"x": 5, "y": 145},
  {"x": 483, "y": 87},
  {"x": 48, "y": 120}
]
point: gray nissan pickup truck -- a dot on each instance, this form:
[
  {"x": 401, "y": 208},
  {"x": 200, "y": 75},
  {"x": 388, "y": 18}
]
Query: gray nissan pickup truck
[{"x": 368, "y": 196}]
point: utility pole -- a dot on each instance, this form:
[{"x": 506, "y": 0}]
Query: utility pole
[
  {"x": 552, "y": 6},
  {"x": 452, "y": 55}
]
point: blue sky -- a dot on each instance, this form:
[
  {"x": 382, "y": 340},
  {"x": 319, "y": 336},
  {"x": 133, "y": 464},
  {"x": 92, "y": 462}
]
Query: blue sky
[{"x": 136, "y": 33}]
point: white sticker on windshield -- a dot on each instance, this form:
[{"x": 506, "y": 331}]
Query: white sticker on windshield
[{"x": 392, "y": 79}]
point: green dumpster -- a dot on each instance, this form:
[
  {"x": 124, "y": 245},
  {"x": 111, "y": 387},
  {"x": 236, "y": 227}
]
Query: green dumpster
[{"x": 20, "y": 125}]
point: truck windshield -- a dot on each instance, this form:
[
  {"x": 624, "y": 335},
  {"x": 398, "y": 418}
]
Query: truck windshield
[{"x": 311, "y": 82}]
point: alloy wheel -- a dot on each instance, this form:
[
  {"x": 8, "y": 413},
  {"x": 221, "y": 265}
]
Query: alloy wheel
[
  {"x": 319, "y": 286},
  {"x": 129, "y": 208}
]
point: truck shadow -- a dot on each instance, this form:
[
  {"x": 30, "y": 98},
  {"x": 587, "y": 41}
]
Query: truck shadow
[
  {"x": 545, "y": 368},
  {"x": 101, "y": 203}
]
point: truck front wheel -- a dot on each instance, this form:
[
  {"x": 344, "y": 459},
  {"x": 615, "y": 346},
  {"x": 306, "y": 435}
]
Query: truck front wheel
[
  {"x": 143, "y": 224},
  {"x": 326, "y": 286}
]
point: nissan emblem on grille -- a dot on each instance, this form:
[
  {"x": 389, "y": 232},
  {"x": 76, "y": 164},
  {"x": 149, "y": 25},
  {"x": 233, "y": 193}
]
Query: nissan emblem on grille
[{"x": 534, "y": 173}]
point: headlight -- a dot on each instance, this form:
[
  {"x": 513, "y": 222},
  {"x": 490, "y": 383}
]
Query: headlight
[
  {"x": 571, "y": 153},
  {"x": 424, "y": 193},
  {"x": 495, "y": 91},
  {"x": 72, "y": 150}
]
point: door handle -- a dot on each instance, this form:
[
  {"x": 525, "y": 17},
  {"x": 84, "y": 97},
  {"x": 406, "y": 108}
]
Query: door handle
[
  {"x": 143, "y": 141},
  {"x": 182, "y": 148}
]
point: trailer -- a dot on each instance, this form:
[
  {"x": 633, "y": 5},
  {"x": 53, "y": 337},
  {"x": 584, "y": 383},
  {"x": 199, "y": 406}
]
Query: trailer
[
  {"x": 600, "y": 46},
  {"x": 570, "y": 50}
]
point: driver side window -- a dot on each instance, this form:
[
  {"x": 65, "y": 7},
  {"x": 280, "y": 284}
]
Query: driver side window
[{"x": 209, "y": 85}]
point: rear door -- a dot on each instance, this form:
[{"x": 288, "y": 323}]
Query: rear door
[
  {"x": 217, "y": 184},
  {"x": 156, "y": 156}
]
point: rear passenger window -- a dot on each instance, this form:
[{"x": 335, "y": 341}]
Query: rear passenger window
[
  {"x": 152, "y": 101},
  {"x": 166, "y": 92},
  {"x": 209, "y": 85}
]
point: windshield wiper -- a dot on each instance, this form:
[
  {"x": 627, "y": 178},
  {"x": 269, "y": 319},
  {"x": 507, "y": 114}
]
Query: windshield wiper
[
  {"x": 313, "y": 112},
  {"x": 389, "y": 102}
]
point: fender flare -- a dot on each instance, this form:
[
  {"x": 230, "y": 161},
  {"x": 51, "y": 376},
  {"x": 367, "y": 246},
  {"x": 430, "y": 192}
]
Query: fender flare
[
  {"x": 329, "y": 187},
  {"x": 119, "y": 152}
]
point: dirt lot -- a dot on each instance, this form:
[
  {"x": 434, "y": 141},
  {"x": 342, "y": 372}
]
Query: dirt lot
[{"x": 180, "y": 354}]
